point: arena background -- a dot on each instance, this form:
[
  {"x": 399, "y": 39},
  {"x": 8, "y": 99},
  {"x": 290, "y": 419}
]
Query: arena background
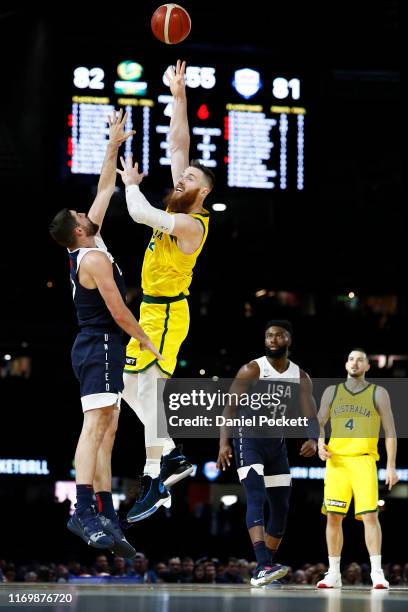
[{"x": 295, "y": 255}]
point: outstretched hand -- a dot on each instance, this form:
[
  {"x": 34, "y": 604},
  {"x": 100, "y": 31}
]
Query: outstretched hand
[
  {"x": 176, "y": 79},
  {"x": 130, "y": 172},
  {"x": 117, "y": 122}
]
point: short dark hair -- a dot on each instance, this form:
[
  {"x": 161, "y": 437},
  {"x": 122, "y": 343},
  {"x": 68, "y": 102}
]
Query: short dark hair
[
  {"x": 208, "y": 174},
  {"x": 62, "y": 228},
  {"x": 280, "y": 323},
  {"x": 360, "y": 350}
]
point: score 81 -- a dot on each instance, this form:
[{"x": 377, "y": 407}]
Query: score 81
[
  {"x": 197, "y": 76},
  {"x": 282, "y": 88}
]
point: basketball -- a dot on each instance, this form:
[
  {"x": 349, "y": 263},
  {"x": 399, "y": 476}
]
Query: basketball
[{"x": 171, "y": 23}]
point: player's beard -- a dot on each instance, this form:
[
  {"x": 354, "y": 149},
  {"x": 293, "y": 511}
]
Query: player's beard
[
  {"x": 92, "y": 229},
  {"x": 182, "y": 202},
  {"x": 275, "y": 354}
]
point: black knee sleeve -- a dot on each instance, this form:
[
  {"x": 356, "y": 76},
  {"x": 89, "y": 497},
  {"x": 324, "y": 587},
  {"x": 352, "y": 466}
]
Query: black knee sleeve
[
  {"x": 255, "y": 491},
  {"x": 278, "y": 502}
]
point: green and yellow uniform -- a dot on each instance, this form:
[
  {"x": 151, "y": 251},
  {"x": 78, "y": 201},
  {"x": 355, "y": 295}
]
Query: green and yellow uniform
[
  {"x": 164, "y": 314},
  {"x": 351, "y": 471}
]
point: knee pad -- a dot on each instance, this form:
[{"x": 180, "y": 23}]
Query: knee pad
[
  {"x": 255, "y": 492},
  {"x": 152, "y": 407},
  {"x": 278, "y": 502}
]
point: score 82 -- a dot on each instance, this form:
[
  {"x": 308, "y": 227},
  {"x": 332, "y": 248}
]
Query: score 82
[{"x": 282, "y": 88}]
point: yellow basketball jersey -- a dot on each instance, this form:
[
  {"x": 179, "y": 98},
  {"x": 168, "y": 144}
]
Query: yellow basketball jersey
[
  {"x": 167, "y": 271},
  {"x": 355, "y": 422}
]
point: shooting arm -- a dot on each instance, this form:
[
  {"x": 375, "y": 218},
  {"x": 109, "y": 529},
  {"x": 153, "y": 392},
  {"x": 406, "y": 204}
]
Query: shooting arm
[{"x": 179, "y": 135}]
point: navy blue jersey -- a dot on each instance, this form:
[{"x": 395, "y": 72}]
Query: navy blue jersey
[{"x": 92, "y": 312}]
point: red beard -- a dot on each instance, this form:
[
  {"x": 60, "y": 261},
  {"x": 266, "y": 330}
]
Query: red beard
[{"x": 181, "y": 203}]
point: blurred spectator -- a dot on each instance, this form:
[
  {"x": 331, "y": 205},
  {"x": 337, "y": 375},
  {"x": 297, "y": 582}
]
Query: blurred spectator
[
  {"x": 141, "y": 568},
  {"x": 299, "y": 577},
  {"x": 395, "y": 576},
  {"x": 10, "y": 572},
  {"x": 365, "y": 573},
  {"x": 31, "y": 577},
  {"x": 352, "y": 575},
  {"x": 161, "y": 570},
  {"x": 119, "y": 567},
  {"x": 62, "y": 573},
  {"x": 199, "y": 573},
  {"x": 187, "y": 570},
  {"x": 101, "y": 566},
  {"x": 405, "y": 574},
  {"x": 210, "y": 573},
  {"x": 231, "y": 574},
  {"x": 74, "y": 569},
  {"x": 244, "y": 572},
  {"x": 174, "y": 566}
]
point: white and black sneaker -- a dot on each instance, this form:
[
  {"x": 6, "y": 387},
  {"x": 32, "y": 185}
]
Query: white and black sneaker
[
  {"x": 174, "y": 467},
  {"x": 265, "y": 574}
]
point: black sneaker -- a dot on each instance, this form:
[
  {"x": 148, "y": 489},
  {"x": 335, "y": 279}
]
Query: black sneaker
[
  {"x": 152, "y": 495},
  {"x": 88, "y": 526},
  {"x": 265, "y": 574},
  {"x": 121, "y": 547},
  {"x": 174, "y": 467}
]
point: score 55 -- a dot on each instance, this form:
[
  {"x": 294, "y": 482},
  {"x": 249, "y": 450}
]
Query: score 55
[{"x": 197, "y": 76}]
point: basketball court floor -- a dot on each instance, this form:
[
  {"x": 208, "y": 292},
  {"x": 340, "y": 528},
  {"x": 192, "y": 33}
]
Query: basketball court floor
[{"x": 203, "y": 598}]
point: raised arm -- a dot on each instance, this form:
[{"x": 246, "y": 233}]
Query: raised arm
[
  {"x": 184, "y": 227},
  {"x": 99, "y": 268},
  {"x": 107, "y": 179},
  {"x": 383, "y": 405},
  {"x": 179, "y": 136}
]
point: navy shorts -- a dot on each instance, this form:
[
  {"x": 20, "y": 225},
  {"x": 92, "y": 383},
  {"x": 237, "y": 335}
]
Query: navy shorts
[
  {"x": 267, "y": 456},
  {"x": 98, "y": 359}
]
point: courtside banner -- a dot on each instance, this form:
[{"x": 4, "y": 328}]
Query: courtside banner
[{"x": 207, "y": 408}]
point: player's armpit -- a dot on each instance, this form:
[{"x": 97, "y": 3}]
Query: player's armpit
[
  {"x": 99, "y": 268},
  {"x": 187, "y": 228}
]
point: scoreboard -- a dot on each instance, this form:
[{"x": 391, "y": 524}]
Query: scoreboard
[{"x": 247, "y": 122}]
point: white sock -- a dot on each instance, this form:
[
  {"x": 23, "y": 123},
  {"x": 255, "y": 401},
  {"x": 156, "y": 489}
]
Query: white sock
[
  {"x": 334, "y": 565},
  {"x": 168, "y": 446},
  {"x": 152, "y": 468},
  {"x": 375, "y": 561}
]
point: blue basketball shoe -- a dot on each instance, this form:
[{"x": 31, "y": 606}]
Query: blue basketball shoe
[{"x": 152, "y": 495}]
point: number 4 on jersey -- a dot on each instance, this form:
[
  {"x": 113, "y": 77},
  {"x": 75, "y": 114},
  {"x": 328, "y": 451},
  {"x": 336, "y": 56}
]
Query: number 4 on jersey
[{"x": 349, "y": 424}]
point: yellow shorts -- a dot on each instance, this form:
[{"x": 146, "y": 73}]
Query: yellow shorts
[
  {"x": 348, "y": 477},
  {"x": 166, "y": 321}
]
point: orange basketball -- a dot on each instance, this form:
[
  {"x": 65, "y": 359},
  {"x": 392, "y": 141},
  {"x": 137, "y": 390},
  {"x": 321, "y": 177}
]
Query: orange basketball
[{"x": 171, "y": 23}]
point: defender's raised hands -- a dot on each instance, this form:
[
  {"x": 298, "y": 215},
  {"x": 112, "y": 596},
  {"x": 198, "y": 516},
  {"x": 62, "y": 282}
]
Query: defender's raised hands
[
  {"x": 117, "y": 122},
  {"x": 130, "y": 173}
]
